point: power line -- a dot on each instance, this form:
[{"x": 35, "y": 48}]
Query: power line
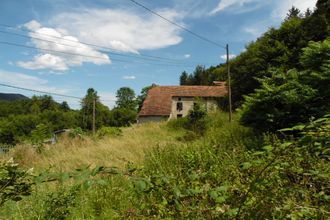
[
  {"x": 178, "y": 25},
  {"x": 82, "y": 55},
  {"x": 102, "y": 51},
  {"x": 43, "y": 92},
  {"x": 90, "y": 44},
  {"x": 57, "y": 51},
  {"x": 50, "y": 93}
]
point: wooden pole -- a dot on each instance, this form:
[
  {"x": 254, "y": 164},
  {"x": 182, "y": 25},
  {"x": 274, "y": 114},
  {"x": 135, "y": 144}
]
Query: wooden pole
[
  {"x": 229, "y": 85},
  {"x": 94, "y": 105}
]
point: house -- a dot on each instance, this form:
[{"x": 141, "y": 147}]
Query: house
[{"x": 170, "y": 102}]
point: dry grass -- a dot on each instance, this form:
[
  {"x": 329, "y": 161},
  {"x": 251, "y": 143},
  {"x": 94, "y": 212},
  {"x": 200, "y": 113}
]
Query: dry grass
[{"x": 70, "y": 154}]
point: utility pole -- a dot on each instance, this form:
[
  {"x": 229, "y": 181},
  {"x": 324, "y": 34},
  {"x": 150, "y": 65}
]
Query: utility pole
[
  {"x": 94, "y": 104},
  {"x": 229, "y": 85}
]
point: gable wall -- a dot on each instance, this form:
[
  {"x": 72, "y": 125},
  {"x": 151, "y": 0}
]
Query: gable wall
[{"x": 188, "y": 103}]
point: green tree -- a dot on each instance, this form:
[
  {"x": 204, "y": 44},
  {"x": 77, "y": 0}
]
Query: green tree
[
  {"x": 184, "y": 78},
  {"x": 289, "y": 98},
  {"x": 126, "y": 98},
  {"x": 143, "y": 95},
  {"x": 293, "y": 13},
  {"x": 102, "y": 113},
  {"x": 65, "y": 106},
  {"x": 121, "y": 117}
]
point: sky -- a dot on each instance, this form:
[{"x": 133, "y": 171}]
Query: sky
[{"x": 66, "y": 47}]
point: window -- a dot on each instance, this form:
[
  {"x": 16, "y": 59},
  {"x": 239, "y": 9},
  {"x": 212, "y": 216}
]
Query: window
[
  {"x": 179, "y": 116},
  {"x": 179, "y": 99},
  {"x": 179, "y": 106}
]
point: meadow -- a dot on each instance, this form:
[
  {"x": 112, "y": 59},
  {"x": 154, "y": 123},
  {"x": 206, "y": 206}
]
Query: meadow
[{"x": 164, "y": 170}]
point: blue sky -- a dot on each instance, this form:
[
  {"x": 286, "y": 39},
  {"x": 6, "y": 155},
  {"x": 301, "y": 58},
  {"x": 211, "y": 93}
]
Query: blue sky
[{"x": 50, "y": 63}]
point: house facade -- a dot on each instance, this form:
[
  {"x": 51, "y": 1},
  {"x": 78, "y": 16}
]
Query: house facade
[{"x": 171, "y": 102}]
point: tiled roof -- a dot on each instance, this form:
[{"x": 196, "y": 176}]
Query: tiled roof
[{"x": 159, "y": 98}]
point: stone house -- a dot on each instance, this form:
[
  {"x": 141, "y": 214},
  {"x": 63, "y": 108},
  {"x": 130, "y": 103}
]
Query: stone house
[{"x": 171, "y": 102}]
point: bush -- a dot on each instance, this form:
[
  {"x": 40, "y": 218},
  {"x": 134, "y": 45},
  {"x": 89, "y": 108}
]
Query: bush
[
  {"x": 109, "y": 131},
  {"x": 121, "y": 117},
  {"x": 179, "y": 123},
  {"x": 58, "y": 204},
  {"x": 196, "y": 121},
  {"x": 14, "y": 182},
  {"x": 285, "y": 179}
]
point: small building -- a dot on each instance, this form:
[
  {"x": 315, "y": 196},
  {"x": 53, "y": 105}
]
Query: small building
[{"x": 171, "y": 102}]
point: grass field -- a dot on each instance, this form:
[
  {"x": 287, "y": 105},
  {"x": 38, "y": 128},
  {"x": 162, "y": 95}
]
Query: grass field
[{"x": 69, "y": 154}]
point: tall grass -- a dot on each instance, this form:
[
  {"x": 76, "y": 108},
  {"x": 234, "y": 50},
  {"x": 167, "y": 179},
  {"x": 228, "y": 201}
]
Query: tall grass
[{"x": 72, "y": 153}]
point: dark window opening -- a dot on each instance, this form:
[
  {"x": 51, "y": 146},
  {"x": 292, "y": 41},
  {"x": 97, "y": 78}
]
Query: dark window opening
[
  {"x": 179, "y": 115},
  {"x": 179, "y": 99},
  {"x": 179, "y": 106}
]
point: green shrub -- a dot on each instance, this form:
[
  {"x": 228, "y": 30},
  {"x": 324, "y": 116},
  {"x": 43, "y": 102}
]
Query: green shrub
[
  {"x": 14, "y": 182},
  {"x": 109, "y": 131},
  {"x": 76, "y": 132},
  {"x": 179, "y": 123},
  {"x": 122, "y": 117},
  {"x": 221, "y": 180},
  {"x": 58, "y": 204},
  {"x": 195, "y": 121}
]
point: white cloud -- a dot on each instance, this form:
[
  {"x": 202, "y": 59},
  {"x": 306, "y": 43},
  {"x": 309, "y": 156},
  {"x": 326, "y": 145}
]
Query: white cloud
[
  {"x": 33, "y": 25},
  {"x": 129, "y": 77},
  {"x": 123, "y": 30},
  {"x": 67, "y": 46},
  {"x": 283, "y": 7},
  {"x": 237, "y": 6},
  {"x": 29, "y": 82},
  {"x": 187, "y": 56},
  {"x": 45, "y": 61},
  {"x": 224, "y": 56}
]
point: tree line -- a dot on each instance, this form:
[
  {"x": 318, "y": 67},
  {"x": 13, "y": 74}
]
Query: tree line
[{"x": 20, "y": 119}]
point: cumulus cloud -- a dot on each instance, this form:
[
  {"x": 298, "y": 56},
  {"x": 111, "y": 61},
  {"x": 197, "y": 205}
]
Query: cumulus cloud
[
  {"x": 129, "y": 77},
  {"x": 67, "y": 46},
  {"x": 224, "y": 56},
  {"x": 45, "y": 61},
  {"x": 123, "y": 30}
]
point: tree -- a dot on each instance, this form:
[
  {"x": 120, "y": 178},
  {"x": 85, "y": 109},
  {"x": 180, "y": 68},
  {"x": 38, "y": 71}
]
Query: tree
[
  {"x": 184, "y": 78},
  {"x": 65, "y": 106},
  {"x": 102, "y": 112},
  {"x": 126, "y": 98},
  {"x": 143, "y": 95},
  {"x": 293, "y": 13},
  {"x": 121, "y": 117},
  {"x": 289, "y": 98}
]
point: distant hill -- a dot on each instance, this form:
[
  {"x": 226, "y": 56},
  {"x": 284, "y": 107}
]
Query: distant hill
[{"x": 12, "y": 96}]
